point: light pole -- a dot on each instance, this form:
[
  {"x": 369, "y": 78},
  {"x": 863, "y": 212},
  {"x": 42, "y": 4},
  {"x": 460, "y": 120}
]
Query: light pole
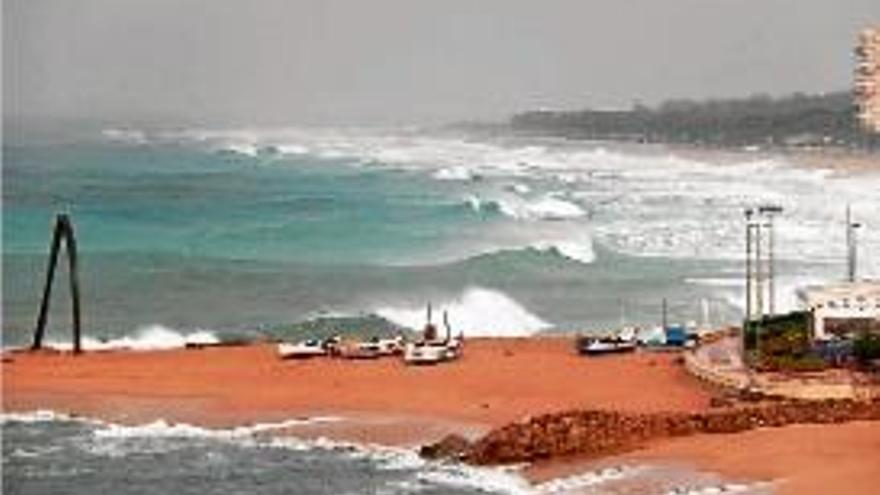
[
  {"x": 748, "y": 214},
  {"x": 851, "y": 245},
  {"x": 770, "y": 211},
  {"x": 748, "y": 319}
]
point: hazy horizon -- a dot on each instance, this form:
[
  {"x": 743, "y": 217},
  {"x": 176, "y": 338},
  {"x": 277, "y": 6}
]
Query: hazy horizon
[{"x": 222, "y": 63}]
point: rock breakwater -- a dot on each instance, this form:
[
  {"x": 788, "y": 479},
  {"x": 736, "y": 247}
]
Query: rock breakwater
[{"x": 596, "y": 433}]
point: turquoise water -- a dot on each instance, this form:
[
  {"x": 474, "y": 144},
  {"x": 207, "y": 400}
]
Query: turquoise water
[{"x": 510, "y": 236}]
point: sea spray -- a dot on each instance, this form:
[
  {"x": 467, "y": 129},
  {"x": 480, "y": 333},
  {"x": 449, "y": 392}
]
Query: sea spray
[
  {"x": 148, "y": 338},
  {"x": 478, "y": 312}
]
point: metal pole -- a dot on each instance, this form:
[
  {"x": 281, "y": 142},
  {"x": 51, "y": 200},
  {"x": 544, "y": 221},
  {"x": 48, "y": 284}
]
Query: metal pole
[
  {"x": 759, "y": 283},
  {"x": 665, "y": 325},
  {"x": 47, "y": 288},
  {"x": 851, "y": 245},
  {"x": 748, "y": 319},
  {"x": 748, "y": 266},
  {"x": 849, "y": 264},
  {"x": 74, "y": 281},
  {"x": 759, "y": 289},
  {"x": 771, "y": 268},
  {"x": 855, "y": 252}
]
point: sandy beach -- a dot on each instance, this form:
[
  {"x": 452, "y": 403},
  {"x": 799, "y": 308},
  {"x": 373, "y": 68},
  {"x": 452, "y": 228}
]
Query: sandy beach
[
  {"x": 496, "y": 382},
  {"x": 383, "y": 401},
  {"x": 797, "y": 459}
]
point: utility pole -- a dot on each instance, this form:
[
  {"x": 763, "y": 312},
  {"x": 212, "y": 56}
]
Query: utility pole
[
  {"x": 770, "y": 211},
  {"x": 759, "y": 282},
  {"x": 665, "y": 319},
  {"x": 748, "y": 214},
  {"x": 851, "y": 246}
]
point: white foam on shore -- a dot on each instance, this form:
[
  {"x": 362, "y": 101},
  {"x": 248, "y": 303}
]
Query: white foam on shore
[
  {"x": 40, "y": 416},
  {"x": 165, "y": 429},
  {"x": 148, "y": 338},
  {"x": 157, "y": 437},
  {"x": 478, "y": 312}
]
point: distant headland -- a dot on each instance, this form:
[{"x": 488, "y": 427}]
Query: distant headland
[{"x": 759, "y": 121}]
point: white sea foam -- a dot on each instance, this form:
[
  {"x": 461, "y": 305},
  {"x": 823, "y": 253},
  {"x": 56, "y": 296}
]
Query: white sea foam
[
  {"x": 644, "y": 203},
  {"x": 520, "y": 188},
  {"x": 165, "y": 429},
  {"x": 128, "y": 136},
  {"x": 152, "y": 337},
  {"x": 575, "y": 250},
  {"x": 548, "y": 207},
  {"x": 114, "y": 440},
  {"x": 454, "y": 173},
  {"x": 477, "y": 312},
  {"x": 37, "y": 416},
  {"x": 509, "y": 480},
  {"x": 732, "y": 290}
]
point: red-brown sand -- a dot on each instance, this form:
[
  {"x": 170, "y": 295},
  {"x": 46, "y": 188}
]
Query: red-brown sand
[
  {"x": 798, "y": 459},
  {"x": 496, "y": 382},
  {"x": 385, "y": 401}
]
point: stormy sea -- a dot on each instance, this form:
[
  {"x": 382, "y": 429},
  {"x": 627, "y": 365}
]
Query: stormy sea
[{"x": 196, "y": 235}]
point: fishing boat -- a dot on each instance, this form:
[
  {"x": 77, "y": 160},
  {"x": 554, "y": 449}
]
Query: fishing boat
[
  {"x": 302, "y": 350},
  {"x": 359, "y": 350},
  {"x": 390, "y": 347},
  {"x": 594, "y": 346},
  {"x": 431, "y": 350}
]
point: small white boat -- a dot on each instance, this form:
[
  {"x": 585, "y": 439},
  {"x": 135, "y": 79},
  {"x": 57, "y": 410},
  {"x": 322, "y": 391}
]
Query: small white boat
[
  {"x": 435, "y": 351},
  {"x": 604, "y": 345},
  {"x": 301, "y": 350},
  {"x": 390, "y": 347},
  {"x": 359, "y": 350},
  {"x": 429, "y": 352}
]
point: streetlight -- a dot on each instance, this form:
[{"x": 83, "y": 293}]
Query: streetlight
[
  {"x": 748, "y": 213},
  {"x": 770, "y": 211},
  {"x": 851, "y": 245}
]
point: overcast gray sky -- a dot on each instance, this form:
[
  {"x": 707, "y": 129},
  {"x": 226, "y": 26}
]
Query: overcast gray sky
[{"x": 230, "y": 62}]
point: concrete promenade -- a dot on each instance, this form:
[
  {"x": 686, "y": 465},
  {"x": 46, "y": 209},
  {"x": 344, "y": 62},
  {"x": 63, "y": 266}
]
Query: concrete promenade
[{"x": 720, "y": 362}]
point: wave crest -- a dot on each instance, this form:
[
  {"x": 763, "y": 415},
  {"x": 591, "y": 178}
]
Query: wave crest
[
  {"x": 478, "y": 312},
  {"x": 148, "y": 338}
]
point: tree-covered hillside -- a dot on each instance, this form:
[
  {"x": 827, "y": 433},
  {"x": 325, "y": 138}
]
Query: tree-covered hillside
[{"x": 797, "y": 120}]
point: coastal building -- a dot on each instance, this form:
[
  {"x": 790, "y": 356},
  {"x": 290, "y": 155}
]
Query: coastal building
[
  {"x": 843, "y": 309},
  {"x": 866, "y": 88}
]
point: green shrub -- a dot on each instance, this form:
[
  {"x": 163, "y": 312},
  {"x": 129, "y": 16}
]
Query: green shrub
[
  {"x": 866, "y": 347},
  {"x": 801, "y": 363}
]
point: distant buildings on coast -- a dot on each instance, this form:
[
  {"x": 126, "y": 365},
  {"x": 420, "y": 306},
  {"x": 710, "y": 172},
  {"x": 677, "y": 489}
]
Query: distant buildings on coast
[{"x": 866, "y": 88}]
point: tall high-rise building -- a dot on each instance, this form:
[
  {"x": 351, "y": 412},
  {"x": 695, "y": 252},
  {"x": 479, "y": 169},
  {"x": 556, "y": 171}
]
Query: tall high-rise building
[{"x": 867, "y": 78}]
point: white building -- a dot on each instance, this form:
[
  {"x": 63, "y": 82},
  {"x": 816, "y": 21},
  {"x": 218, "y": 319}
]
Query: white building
[
  {"x": 866, "y": 84},
  {"x": 843, "y": 308}
]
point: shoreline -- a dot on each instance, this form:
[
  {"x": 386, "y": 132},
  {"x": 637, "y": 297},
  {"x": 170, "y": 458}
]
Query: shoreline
[{"x": 384, "y": 402}]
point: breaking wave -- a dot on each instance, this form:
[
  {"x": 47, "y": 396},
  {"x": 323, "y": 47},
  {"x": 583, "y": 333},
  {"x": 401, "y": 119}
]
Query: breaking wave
[
  {"x": 148, "y": 338},
  {"x": 646, "y": 202},
  {"x": 413, "y": 473},
  {"x": 548, "y": 207},
  {"x": 478, "y": 312}
]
